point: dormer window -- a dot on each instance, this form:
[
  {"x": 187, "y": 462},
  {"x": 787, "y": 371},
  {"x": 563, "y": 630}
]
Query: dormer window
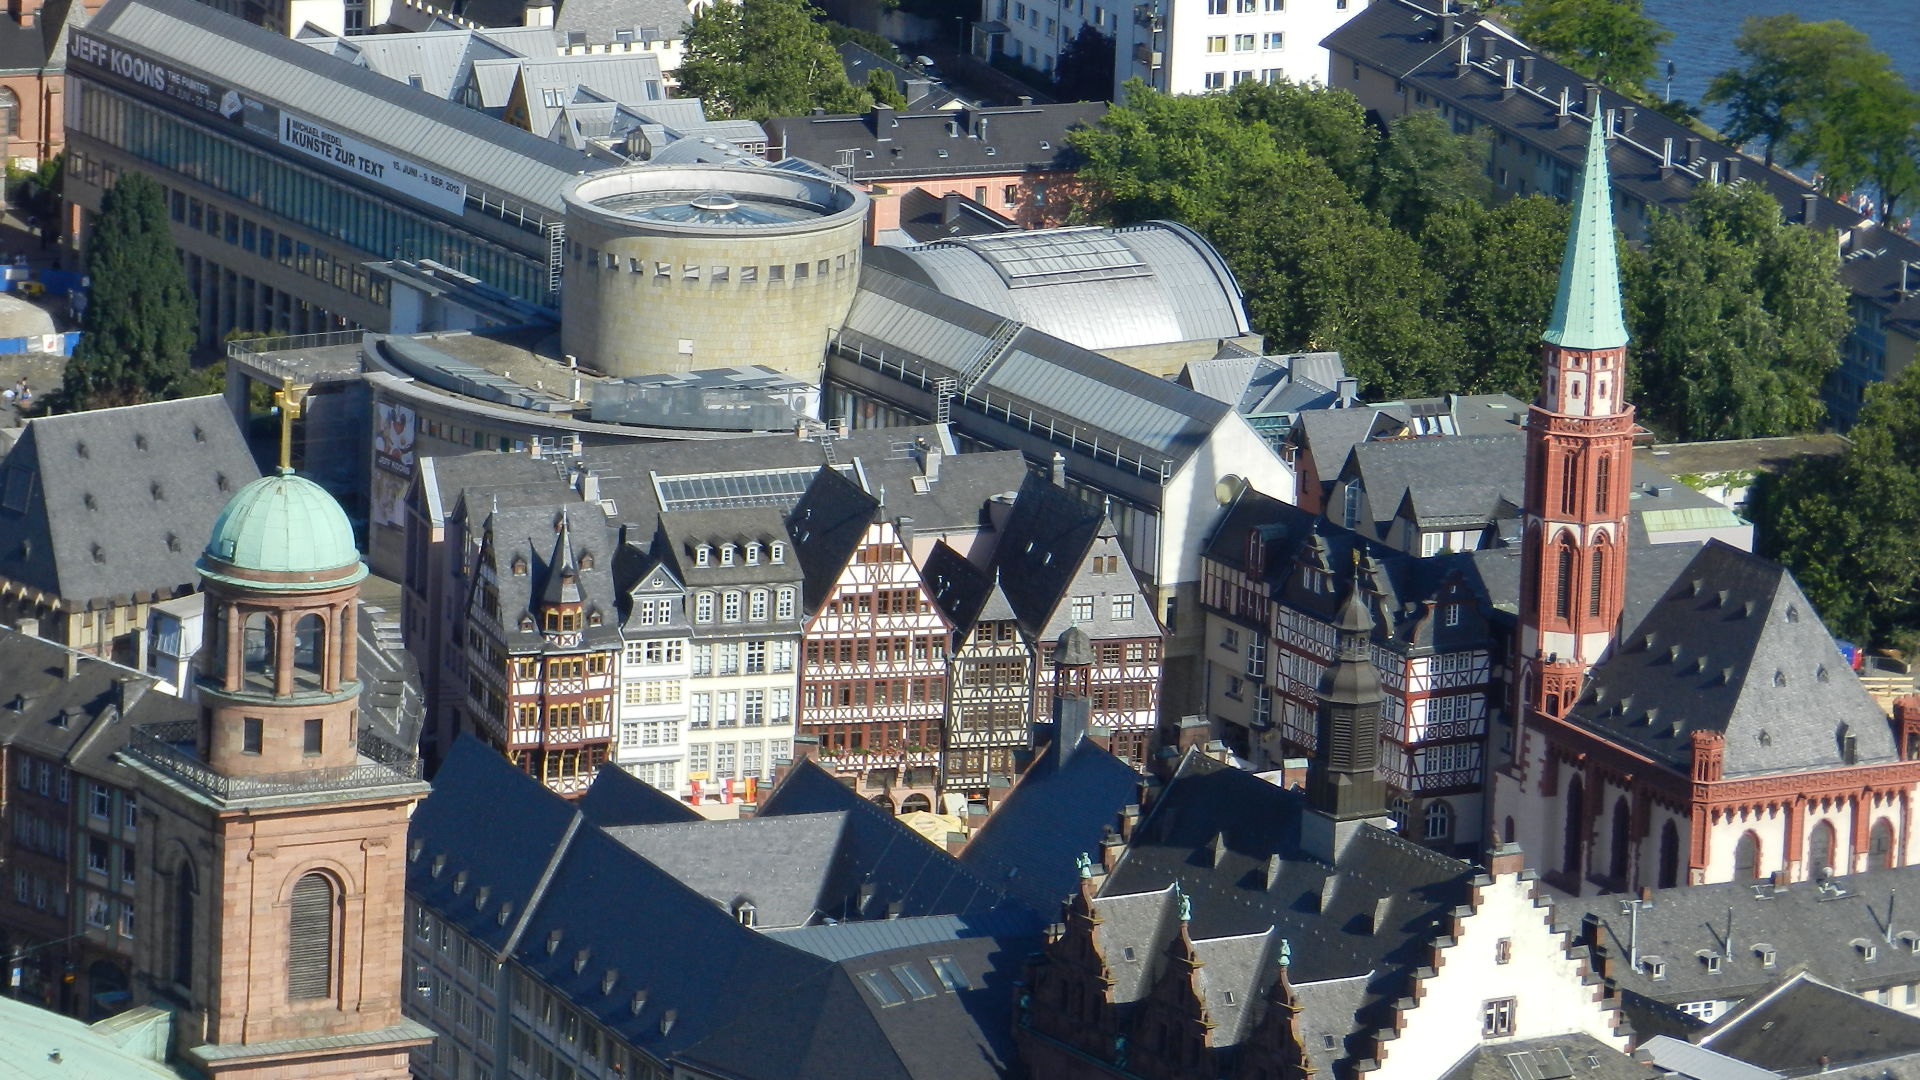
[
  {"x": 777, "y": 554},
  {"x": 753, "y": 554},
  {"x": 702, "y": 555},
  {"x": 726, "y": 554}
]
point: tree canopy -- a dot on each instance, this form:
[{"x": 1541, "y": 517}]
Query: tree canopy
[
  {"x": 758, "y": 59},
  {"x": 1844, "y": 525},
  {"x": 1085, "y": 70},
  {"x": 1818, "y": 93},
  {"x": 140, "y": 320},
  {"x": 1736, "y": 316},
  {"x": 1613, "y": 41}
]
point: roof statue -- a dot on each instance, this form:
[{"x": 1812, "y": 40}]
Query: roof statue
[
  {"x": 1286, "y": 953},
  {"x": 1085, "y": 864},
  {"x": 1587, "y": 312},
  {"x": 1186, "y": 902}
]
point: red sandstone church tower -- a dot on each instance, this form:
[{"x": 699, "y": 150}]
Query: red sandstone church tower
[
  {"x": 1579, "y": 446},
  {"x": 273, "y": 834}
]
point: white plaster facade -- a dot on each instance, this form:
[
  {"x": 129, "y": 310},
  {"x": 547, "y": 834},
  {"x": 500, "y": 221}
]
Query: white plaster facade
[
  {"x": 1197, "y": 46},
  {"x": 1504, "y": 951},
  {"x": 652, "y": 709}
]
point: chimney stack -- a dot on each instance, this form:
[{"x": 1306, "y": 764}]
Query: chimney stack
[
  {"x": 1566, "y": 108},
  {"x": 1627, "y": 113},
  {"x": 73, "y": 665},
  {"x": 1506, "y": 88},
  {"x": 883, "y": 122},
  {"x": 1593, "y": 101},
  {"x": 1693, "y": 152},
  {"x": 1809, "y": 208},
  {"x": 1462, "y": 65},
  {"x": 1666, "y": 157},
  {"x": 1059, "y": 469},
  {"x": 1733, "y": 170},
  {"x": 1526, "y": 71}
]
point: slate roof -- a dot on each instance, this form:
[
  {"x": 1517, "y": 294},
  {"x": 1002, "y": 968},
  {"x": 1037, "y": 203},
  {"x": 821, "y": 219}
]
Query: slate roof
[
  {"x": 617, "y": 797},
  {"x": 1330, "y": 434},
  {"x": 1734, "y": 647},
  {"x": 712, "y": 993},
  {"x": 1218, "y": 832},
  {"x": 1259, "y": 385},
  {"x": 117, "y": 503},
  {"x": 785, "y": 867},
  {"x": 530, "y": 536},
  {"x": 600, "y": 20},
  {"x": 82, "y": 720},
  {"x": 922, "y": 94},
  {"x": 1057, "y": 811},
  {"x": 1040, "y": 550},
  {"x": 1806, "y": 1025},
  {"x": 38, "y": 44},
  {"x": 442, "y": 59},
  {"x": 828, "y": 523},
  {"x": 1460, "y": 480},
  {"x": 926, "y": 217},
  {"x": 898, "y": 865},
  {"x": 1100, "y": 288},
  {"x": 1563, "y": 1057},
  {"x": 959, "y": 587},
  {"x": 1807, "y": 927},
  {"x": 888, "y": 145}
]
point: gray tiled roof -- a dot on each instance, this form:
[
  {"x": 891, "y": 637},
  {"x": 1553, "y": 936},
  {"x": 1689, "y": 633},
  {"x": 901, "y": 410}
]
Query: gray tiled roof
[
  {"x": 1584, "y": 1058},
  {"x": 1807, "y": 1026},
  {"x": 1056, "y": 812},
  {"x": 600, "y": 20},
  {"x": 1145, "y": 285},
  {"x": 1462, "y": 479},
  {"x": 1733, "y": 646},
  {"x": 80, "y": 718},
  {"x": 1807, "y": 927},
  {"x": 479, "y": 149},
  {"x": 1020, "y": 138},
  {"x": 785, "y": 867},
  {"x": 118, "y": 502}
]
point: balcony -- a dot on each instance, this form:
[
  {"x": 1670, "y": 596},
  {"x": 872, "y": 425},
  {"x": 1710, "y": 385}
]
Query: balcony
[{"x": 170, "y": 749}]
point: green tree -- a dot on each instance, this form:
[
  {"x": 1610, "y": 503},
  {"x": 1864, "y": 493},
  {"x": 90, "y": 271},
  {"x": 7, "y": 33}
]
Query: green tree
[
  {"x": 1868, "y": 133},
  {"x": 1844, "y": 525},
  {"x": 1423, "y": 166},
  {"x": 1736, "y": 316},
  {"x": 140, "y": 319},
  {"x": 1188, "y": 157},
  {"x": 1321, "y": 271},
  {"x": 1330, "y": 125},
  {"x": 1085, "y": 69},
  {"x": 1614, "y": 41},
  {"x": 758, "y": 59},
  {"x": 882, "y": 88},
  {"x": 1789, "y": 65},
  {"x": 1501, "y": 267}
]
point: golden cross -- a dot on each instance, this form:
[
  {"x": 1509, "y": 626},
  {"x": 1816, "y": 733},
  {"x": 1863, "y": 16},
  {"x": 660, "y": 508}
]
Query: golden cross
[{"x": 289, "y": 409}]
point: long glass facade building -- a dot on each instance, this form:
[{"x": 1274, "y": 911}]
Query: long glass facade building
[{"x": 287, "y": 169}]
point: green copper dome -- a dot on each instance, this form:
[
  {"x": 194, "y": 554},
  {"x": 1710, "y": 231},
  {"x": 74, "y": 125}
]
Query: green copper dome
[
  {"x": 1586, "y": 311},
  {"x": 284, "y": 524}
]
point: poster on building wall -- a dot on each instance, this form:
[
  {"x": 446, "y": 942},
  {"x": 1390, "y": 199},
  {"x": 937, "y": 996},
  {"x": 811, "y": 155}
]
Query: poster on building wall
[
  {"x": 169, "y": 80},
  {"x": 394, "y": 428},
  {"x": 368, "y": 162}
]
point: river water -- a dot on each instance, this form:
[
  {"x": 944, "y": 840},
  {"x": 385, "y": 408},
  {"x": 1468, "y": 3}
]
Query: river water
[{"x": 1703, "y": 33}]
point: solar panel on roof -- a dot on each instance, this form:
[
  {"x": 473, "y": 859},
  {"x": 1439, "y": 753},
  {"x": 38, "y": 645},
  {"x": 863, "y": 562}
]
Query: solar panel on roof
[
  {"x": 730, "y": 491},
  {"x": 1548, "y": 1064}
]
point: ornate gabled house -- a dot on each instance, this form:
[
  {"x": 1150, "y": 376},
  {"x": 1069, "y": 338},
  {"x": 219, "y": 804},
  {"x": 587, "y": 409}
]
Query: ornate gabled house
[
  {"x": 654, "y": 667},
  {"x": 989, "y": 678},
  {"x": 1273, "y": 609},
  {"x": 1718, "y": 735},
  {"x": 873, "y": 684},
  {"x": 1061, "y": 565},
  {"x": 743, "y": 582},
  {"x": 543, "y": 642},
  {"x": 1247, "y": 930}
]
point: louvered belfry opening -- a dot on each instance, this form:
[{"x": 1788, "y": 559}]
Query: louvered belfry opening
[{"x": 310, "y": 940}]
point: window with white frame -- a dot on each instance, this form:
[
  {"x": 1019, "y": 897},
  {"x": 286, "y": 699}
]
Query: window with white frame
[
  {"x": 777, "y": 553},
  {"x": 730, "y": 606},
  {"x": 782, "y": 652},
  {"x": 729, "y": 658},
  {"x": 783, "y": 608},
  {"x": 753, "y": 554},
  {"x": 726, "y": 554},
  {"x": 723, "y": 758},
  {"x": 1273, "y": 39},
  {"x": 753, "y": 758},
  {"x": 1437, "y": 821},
  {"x": 659, "y": 732},
  {"x": 1080, "y": 609},
  {"x": 756, "y": 657},
  {"x": 753, "y": 712},
  {"x": 702, "y": 660},
  {"x": 1122, "y": 608},
  {"x": 1217, "y": 43},
  {"x": 780, "y": 706},
  {"x": 1496, "y": 1018},
  {"x": 703, "y": 607},
  {"x": 726, "y": 709},
  {"x": 702, "y": 555},
  {"x": 757, "y": 605},
  {"x": 1243, "y": 42},
  {"x": 698, "y": 755},
  {"x": 699, "y": 711}
]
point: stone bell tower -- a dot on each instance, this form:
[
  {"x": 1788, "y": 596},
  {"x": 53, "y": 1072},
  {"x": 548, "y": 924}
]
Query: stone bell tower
[{"x": 274, "y": 830}]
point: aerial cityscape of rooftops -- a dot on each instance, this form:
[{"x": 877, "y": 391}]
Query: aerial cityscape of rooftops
[{"x": 958, "y": 540}]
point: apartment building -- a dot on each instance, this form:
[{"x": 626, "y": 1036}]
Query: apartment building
[{"x": 1199, "y": 46}]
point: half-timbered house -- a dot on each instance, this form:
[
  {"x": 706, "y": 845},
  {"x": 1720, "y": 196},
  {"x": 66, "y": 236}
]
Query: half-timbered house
[
  {"x": 1061, "y": 564},
  {"x": 990, "y": 679},
  {"x": 873, "y": 679},
  {"x": 543, "y": 642}
]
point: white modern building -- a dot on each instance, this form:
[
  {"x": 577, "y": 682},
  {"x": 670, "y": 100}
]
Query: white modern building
[{"x": 1197, "y": 46}]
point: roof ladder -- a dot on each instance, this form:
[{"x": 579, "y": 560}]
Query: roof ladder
[
  {"x": 556, "y": 257},
  {"x": 943, "y": 388},
  {"x": 991, "y": 351}
]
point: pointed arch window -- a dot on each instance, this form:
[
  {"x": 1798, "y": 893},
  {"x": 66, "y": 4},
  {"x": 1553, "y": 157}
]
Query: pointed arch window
[
  {"x": 1563, "y": 584},
  {"x": 1596, "y": 579},
  {"x": 1570, "y": 483},
  {"x": 1880, "y": 846},
  {"x": 1621, "y": 853},
  {"x": 1669, "y": 855},
  {"x": 310, "y": 939},
  {"x": 1820, "y": 850},
  {"x": 1602, "y": 484},
  {"x": 1746, "y": 857}
]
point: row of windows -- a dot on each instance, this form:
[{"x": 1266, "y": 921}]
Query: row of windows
[
  {"x": 753, "y": 603},
  {"x": 743, "y": 657},
  {"x": 1218, "y": 80},
  {"x": 743, "y": 708},
  {"x": 364, "y": 221},
  {"x": 1249, "y": 7},
  {"x": 899, "y": 649},
  {"x": 730, "y": 760},
  {"x": 663, "y": 271},
  {"x": 1272, "y": 39},
  {"x": 749, "y": 554}
]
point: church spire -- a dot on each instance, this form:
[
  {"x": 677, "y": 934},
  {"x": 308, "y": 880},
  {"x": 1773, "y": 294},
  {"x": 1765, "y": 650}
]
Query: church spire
[{"x": 1587, "y": 313}]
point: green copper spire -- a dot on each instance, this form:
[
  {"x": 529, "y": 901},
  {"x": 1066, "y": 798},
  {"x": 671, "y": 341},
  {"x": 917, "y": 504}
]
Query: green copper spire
[{"x": 1586, "y": 313}]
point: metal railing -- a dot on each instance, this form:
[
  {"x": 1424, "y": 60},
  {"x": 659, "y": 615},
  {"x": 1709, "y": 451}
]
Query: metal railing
[{"x": 171, "y": 748}]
